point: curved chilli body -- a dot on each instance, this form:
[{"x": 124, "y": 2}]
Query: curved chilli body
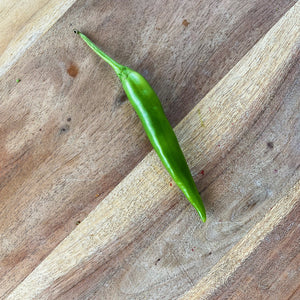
[
  {"x": 156, "y": 125},
  {"x": 161, "y": 134}
]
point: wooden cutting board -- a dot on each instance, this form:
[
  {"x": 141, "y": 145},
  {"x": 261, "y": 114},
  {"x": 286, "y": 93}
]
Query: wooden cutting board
[{"x": 87, "y": 209}]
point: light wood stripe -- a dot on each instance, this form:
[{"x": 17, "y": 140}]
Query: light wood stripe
[
  {"x": 19, "y": 31},
  {"x": 247, "y": 85}
]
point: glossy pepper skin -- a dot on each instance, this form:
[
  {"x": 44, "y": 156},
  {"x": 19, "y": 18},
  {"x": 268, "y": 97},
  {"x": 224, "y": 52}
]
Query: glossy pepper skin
[{"x": 157, "y": 127}]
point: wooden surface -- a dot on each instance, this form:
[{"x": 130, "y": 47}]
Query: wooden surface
[{"x": 88, "y": 211}]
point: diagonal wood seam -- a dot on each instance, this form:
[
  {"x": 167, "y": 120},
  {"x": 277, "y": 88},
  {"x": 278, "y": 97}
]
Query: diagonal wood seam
[
  {"x": 229, "y": 263},
  {"x": 225, "y": 111},
  {"x": 40, "y": 23}
]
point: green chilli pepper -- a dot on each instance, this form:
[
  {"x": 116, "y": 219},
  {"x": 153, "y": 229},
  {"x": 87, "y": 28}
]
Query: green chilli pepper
[{"x": 158, "y": 129}]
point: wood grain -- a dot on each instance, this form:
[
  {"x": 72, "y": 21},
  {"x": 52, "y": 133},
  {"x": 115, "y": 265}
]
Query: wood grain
[
  {"x": 24, "y": 22},
  {"x": 228, "y": 264},
  {"x": 272, "y": 270},
  {"x": 68, "y": 153}
]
